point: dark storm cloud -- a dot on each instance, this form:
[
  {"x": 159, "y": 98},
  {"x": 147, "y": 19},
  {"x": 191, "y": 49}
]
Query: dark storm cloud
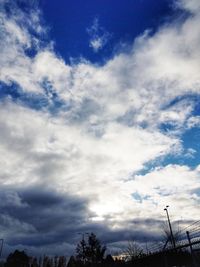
[
  {"x": 130, "y": 232},
  {"x": 40, "y": 217},
  {"x": 43, "y": 216}
]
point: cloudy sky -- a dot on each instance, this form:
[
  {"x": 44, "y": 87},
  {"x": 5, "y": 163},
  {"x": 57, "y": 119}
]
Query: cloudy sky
[{"x": 99, "y": 120}]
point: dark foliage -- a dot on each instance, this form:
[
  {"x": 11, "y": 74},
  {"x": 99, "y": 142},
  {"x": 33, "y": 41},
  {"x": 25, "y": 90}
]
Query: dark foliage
[
  {"x": 90, "y": 251},
  {"x": 17, "y": 259},
  {"x": 71, "y": 262}
]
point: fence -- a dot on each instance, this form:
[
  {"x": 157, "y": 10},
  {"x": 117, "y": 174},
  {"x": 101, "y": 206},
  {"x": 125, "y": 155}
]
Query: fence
[{"x": 186, "y": 251}]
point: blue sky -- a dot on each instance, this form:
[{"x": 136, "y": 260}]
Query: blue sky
[
  {"x": 122, "y": 20},
  {"x": 99, "y": 120}
]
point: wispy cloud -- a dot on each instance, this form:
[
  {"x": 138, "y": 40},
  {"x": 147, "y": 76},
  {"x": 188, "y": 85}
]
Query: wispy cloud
[{"x": 99, "y": 37}]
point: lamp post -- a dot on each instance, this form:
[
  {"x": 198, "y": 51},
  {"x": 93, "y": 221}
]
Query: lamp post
[{"x": 170, "y": 227}]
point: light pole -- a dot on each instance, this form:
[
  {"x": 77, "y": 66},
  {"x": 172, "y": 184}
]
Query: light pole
[{"x": 170, "y": 227}]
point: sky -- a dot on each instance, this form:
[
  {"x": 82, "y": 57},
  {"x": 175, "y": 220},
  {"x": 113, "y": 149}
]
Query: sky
[{"x": 99, "y": 121}]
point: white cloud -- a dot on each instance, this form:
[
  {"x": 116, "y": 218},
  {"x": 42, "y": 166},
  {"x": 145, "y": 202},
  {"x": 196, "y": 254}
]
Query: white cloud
[
  {"x": 193, "y": 121},
  {"x": 15, "y": 39},
  {"x": 190, "y": 153},
  {"x": 46, "y": 65},
  {"x": 37, "y": 148},
  {"x": 16, "y": 64},
  {"x": 98, "y": 36},
  {"x": 44, "y": 148},
  {"x": 172, "y": 185},
  {"x": 192, "y": 5}
]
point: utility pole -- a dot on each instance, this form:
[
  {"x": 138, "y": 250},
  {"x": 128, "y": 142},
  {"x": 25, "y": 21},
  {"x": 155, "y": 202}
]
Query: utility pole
[{"x": 170, "y": 227}]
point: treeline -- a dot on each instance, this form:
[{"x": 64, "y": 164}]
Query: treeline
[
  {"x": 162, "y": 259},
  {"x": 21, "y": 259},
  {"x": 91, "y": 253}
]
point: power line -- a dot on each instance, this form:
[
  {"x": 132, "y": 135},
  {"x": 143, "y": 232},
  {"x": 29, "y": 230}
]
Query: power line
[{"x": 190, "y": 225}]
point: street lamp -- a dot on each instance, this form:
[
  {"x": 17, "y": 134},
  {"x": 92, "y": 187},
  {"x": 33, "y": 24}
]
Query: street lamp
[{"x": 170, "y": 227}]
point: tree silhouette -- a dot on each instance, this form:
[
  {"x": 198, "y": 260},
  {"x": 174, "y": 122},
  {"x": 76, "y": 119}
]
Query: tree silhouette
[
  {"x": 71, "y": 262},
  {"x": 17, "y": 259},
  {"x": 133, "y": 251},
  {"x": 81, "y": 251},
  {"x": 62, "y": 261},
  {"x": 109, "y": 261},
  {"x": 90, "y": 251}
]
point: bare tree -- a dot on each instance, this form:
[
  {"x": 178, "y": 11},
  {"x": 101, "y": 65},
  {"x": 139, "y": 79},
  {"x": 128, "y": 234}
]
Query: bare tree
[
  {"x": 167, "y": 238},
  {"x": 133, "y": 251}
]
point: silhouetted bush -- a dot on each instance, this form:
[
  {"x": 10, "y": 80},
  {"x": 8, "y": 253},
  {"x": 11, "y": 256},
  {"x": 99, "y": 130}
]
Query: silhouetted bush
[{"x": 17, "y": 259}]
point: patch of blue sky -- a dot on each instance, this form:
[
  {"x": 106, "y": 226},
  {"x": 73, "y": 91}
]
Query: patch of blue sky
[
  {"x": 190, "y": 137},
  {"x": 31, "y": 100},
  {"x": 193, "y": 99},
  {"x": 30, "y": 52},
  {"x": 190, "y": 141},
  {"x": 184, "y": 159},
  {"x": 138, "y": 197},
  {"x": 167, "y": 127},
  {"x": 124, "y": 20},
  {"x": 24, "y": 5},
  {"x": 189, "y": 156},
  {"x": 190, "y": 97},
  {"x": 149, "y": 167},
  {"x": 14, "y": 92},
  {"x": 196, "y": 111},
  {"x": 197, "y": 192}
]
